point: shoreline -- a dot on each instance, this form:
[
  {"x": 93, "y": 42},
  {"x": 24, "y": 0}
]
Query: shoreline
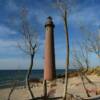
[
  {"x": 71, "y": 74},
  {"x": 75, "y": 87}
]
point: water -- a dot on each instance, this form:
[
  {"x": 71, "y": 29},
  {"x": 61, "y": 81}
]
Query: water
[{"x": 7, "y": 76}]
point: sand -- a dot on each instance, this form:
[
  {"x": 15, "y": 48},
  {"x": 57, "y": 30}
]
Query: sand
[{"x": 75, "y": 87}]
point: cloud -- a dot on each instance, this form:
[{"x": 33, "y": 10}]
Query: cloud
[
  {"x": 7, "y": 43},
  {"x": 19, "y": 63},
  {"x": 9, "y": 49},
  {"x": 89, "y": 15},
  {"x": 42, "y": 14},
  {"x": 14, "y": 63},
  {"x": 11, "y": 6},
  {"x": 10, "y": 54},
  {"x": 4, "y": 30},
  {"x": 84, "y": 14}
]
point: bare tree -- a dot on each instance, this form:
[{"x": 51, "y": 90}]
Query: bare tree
[
  {"x": 62, "y": 7},
  {"x": 29, "y": 46},
  {"x": 93, "y": 40},
  {"x": 81, "y": 60}
]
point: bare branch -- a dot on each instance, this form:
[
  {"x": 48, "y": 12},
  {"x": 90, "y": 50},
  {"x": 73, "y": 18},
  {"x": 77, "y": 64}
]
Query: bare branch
[
  {"x": 81, "y": 60},
  {"x": 93, "y": 41},
  {"x": 29, "y": 36}
]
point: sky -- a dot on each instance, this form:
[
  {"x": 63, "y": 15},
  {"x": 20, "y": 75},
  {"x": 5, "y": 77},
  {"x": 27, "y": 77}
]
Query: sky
[{"x": 81, "y": 13}]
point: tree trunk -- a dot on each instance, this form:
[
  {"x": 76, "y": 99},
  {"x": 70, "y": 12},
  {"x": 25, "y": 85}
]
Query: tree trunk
[
  {"x": 82, "y": 78},
  {"x": 45, "y": 89},
  {"x": 67, "y": 56},
  {"x": 28, "y": 76}
]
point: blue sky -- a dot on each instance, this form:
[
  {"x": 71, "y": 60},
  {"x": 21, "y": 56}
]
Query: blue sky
[{"x": 84, "y": 12}]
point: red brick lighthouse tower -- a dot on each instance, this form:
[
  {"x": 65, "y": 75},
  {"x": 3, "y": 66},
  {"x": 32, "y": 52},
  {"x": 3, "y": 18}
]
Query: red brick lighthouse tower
[{"x": 49, "y": 57}]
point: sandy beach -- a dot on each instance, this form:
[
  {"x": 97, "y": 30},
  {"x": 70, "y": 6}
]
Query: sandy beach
[{"x": 75, "y": 87}]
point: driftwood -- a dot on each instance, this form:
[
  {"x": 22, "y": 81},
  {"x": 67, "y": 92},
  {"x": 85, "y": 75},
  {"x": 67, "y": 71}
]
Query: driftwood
[
  {"x": 73, "y": 98},
  {"x": 97, "y": 97},
  {"x": 42, "y": 98}
]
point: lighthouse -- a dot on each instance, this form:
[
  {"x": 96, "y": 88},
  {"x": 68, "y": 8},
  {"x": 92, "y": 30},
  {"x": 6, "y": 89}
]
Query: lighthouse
[{"x": 49, "y": 55}]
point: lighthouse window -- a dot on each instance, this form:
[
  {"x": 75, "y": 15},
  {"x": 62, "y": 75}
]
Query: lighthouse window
[{"x": 47, "y": 29}]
